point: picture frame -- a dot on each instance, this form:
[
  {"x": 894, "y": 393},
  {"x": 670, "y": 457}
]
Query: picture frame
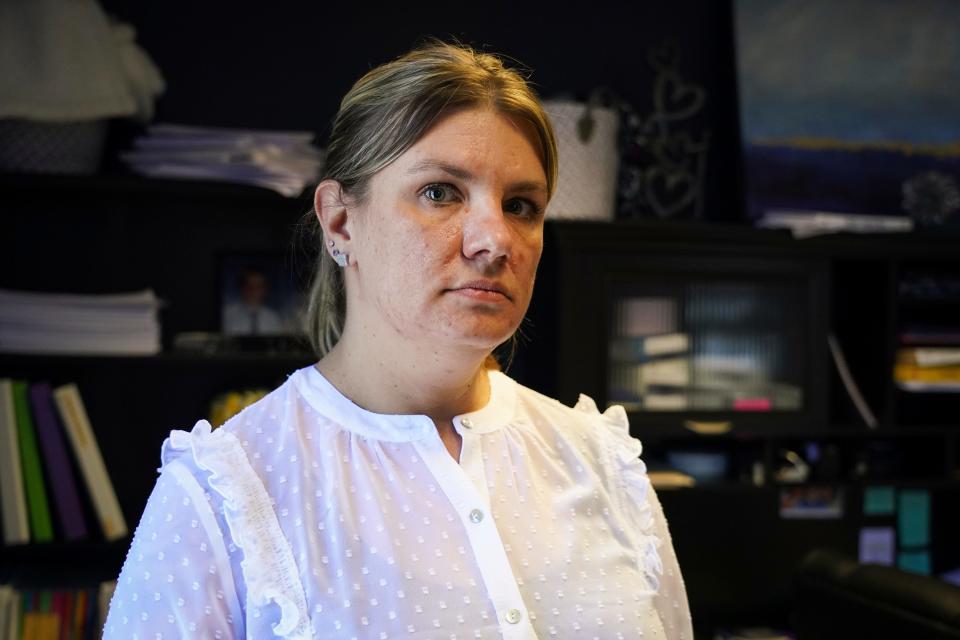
[
  {"x": 844, "y": 112},
  {"x": 811, "y": 502},
  {"x": 259, "y": 301}
]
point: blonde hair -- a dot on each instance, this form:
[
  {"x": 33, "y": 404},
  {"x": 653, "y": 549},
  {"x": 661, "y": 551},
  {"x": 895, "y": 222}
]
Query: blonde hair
[{"x": 383, "y": 115}]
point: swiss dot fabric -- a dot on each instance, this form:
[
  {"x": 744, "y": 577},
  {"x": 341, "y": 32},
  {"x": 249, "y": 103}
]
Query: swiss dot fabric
[{"x": 306, "y": 516}]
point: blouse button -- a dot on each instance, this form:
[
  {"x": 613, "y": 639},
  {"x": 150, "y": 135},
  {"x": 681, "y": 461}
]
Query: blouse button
[
  {"x": 476, "y": 516},
  {"x": 467, "y": 422},
  {"x": 513, "y": 616}
]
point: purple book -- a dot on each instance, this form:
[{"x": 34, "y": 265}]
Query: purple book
[{"x": 50, "y": 433}]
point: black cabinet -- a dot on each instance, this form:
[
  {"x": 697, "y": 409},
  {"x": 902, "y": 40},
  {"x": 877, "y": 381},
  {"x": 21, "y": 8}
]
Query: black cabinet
[
  {"x": 746, "y": 314},
  {"x": 753, "y": 311}
]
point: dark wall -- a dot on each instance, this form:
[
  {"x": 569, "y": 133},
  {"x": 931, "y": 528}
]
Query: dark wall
[{"x": 285, "y": 65}]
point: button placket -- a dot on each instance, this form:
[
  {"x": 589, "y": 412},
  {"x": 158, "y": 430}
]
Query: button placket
[
  {"x": 471, "y": 461},
  {"x": 484, "y": 539}
]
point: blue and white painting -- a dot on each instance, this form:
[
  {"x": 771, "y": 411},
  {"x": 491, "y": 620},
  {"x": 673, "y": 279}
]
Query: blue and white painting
[{"x": 851, "y": 106}]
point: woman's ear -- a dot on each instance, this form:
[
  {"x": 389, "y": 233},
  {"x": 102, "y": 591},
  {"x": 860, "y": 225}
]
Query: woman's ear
[{"x": 333, "y": 215}]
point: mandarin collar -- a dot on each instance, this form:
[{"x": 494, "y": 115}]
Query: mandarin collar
[{"x": 328, "y": 401}]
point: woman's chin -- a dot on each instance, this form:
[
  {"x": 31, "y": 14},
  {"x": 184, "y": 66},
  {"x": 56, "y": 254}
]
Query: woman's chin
[{"x": 482, "y": 339}]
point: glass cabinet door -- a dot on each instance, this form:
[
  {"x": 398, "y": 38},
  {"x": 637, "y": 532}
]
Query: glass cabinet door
[
  {"x": 711, "y": 332},
  {"x": 689, "y": 344}
]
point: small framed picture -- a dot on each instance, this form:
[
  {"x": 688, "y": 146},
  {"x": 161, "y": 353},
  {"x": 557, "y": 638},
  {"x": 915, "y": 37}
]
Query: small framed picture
[
  {"x": 259, "y": 296},
  {"x": 811, "y": 502}
]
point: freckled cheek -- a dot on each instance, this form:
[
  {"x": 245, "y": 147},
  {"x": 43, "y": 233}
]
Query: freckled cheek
[
  {"x": 410, "y": 279},
  {"x": 402, "y": 251},
  {"x": 526, "y": 261}
]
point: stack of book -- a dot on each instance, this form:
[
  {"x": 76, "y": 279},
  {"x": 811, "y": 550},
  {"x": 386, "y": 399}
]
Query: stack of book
[
  {"x": 650, "y": 372},
  {"x": 44, "y": 614},
  {"x": 649, "y": 360},
  {"x": 40, "y": 427},
  {"x": 283, "y": 161},
  {"x": 78, "y": 324},
  {"x": 928, "y": 359},
  {"x": 926, "y": 369}
]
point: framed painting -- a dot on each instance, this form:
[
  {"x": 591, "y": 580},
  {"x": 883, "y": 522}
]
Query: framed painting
[{"x": 851, "y": 107}]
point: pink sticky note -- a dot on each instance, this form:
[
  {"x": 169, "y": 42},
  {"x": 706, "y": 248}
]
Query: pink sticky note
[{"x": 752, "y": 404}]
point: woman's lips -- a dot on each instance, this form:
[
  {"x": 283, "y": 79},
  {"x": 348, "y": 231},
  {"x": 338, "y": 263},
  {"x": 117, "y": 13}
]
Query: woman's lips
[{"x": 482, "y": 291}]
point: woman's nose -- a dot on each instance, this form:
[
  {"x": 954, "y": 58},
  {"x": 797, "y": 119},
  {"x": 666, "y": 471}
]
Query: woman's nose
[{"x": 486, "y": 232}]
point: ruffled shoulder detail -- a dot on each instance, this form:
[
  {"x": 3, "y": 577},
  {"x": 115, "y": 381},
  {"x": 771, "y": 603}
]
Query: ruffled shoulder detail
[
  {"x": 630, "y": 473},
  {"x": 268, "y": 566},
  {"x": 586, "y": 404},
  {"x": 615, "y": 415}
]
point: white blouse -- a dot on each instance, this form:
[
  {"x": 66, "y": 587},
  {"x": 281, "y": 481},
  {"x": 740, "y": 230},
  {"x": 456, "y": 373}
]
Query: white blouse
[{"x": 306, "y": 516}]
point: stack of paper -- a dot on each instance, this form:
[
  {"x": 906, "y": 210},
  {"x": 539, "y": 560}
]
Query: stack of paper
[
  {"x": 807, "y": 224},
  {"x": 284, "y": 161},
  {"x": 118, "y": 324}
]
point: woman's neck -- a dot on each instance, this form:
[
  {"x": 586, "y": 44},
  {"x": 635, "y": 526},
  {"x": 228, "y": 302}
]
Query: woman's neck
[{"x": 406, "y": 379}]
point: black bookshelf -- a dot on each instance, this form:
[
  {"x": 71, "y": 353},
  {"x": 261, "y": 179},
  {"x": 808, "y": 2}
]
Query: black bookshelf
[{"x": 116, "y": 233}]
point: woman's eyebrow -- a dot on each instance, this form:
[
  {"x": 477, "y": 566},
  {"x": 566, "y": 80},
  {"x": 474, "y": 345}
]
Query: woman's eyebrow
[
  {"x": 528, "y": 186},
  {"x": 463, "y": 174},
  {"x": 446, "y": 167}
]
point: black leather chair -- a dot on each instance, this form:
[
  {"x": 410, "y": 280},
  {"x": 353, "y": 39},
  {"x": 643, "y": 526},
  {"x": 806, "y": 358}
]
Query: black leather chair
[{"x": 837, "y": 598}]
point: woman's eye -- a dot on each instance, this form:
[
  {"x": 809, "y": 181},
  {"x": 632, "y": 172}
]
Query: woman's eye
[
  {"x": 522, "y": 207},
  {"x": 437, "y": 192}
]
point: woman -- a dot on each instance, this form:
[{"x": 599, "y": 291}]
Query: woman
[{"x": 403, "y": 487}]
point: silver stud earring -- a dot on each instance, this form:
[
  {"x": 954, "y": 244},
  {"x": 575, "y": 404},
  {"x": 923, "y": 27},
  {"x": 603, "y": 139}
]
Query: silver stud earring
[{"x": 340, "y": 258}]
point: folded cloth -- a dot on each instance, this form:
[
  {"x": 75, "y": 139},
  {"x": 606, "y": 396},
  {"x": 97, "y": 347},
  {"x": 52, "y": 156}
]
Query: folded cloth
[{"x": 65, "y": 61}]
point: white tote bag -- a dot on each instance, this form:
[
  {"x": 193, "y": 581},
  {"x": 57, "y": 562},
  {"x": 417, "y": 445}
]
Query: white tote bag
[{"x": 589, "y": 160}]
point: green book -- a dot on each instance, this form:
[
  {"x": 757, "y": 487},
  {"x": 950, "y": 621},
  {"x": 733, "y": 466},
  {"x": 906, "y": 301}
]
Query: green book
[{"x": 40, "y": 526}]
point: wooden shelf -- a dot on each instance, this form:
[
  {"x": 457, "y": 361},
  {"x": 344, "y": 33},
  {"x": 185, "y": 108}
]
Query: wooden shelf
[
  {"x": 134, "y": 187},
  {"x": 720, "y": 237},
  {"x": 171, "y": 359},
  {"x": 43, "y": 565}
]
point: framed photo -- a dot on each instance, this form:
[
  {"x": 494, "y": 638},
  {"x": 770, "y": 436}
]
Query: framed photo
[
  {"x": 811, "y": 502},
  {"x": 259, "y": 297}
]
